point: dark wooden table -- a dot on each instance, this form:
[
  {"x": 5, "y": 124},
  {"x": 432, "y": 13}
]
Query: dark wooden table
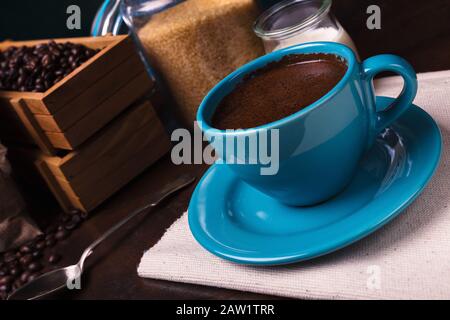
[
  {"x": 112, "y": 269},
  {"x": 417, "y": 30}
]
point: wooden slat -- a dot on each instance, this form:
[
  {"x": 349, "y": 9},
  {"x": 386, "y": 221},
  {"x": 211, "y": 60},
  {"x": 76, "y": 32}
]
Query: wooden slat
[
  {"x": 89, "y": 100},
  {"x": 105, "y": 112},
  {"x": 56, "y": 189},
  {"x": 108, "y": 185},
  {"x": 116, "y": 141},
  {"x": 91, "y": 42},
  {"x": 30, "y": 123},
  {"x": 87, "y": 74}
]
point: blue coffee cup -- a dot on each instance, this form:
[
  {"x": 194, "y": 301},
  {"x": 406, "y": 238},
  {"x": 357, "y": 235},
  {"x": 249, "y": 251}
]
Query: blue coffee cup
[{"x": 318, "y": 147}]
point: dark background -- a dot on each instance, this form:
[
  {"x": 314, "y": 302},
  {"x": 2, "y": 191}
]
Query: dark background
[
  {"x": 416, "y": 30},
  {"x": 37, "y": 19}
]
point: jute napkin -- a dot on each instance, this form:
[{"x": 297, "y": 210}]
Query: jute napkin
[{"x": 408, "y": 258}]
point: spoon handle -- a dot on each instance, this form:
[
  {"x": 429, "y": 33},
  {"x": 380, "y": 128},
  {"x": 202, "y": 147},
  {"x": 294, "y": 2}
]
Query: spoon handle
[{"x": 180, "y": 183}]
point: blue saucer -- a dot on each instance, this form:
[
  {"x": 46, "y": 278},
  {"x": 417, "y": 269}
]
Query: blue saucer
[{"x": 238, "y": 223}]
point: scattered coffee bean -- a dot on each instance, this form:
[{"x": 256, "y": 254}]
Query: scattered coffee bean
[
  {"x": 9, "y": 256},
  {"x": 73, "y": 222},
  {"x": 54, "y": 258},
  {"x": 50, "y": 242},
  {"x": 26, "y": 260},
  {"x": 5, "y": 288},
  {"x": 16, "y": 285},
  {"x": 6, "y": 280},
  {"x": 40, "y": 245},
  {"x": 84, "y": 215},
  {"x": 34, "y": 266},
  {"x": 25, "y": 249},
  {"x": 33, "y": 276},
  {"x": 62, "y": 234},
  {"x": 37, "y": 68},
  {"x": 24, "y": 277},
  {"x": 18, "y": 267},
  {"x": 50, "y": 236},
  {"x": 15, "y": 271}
]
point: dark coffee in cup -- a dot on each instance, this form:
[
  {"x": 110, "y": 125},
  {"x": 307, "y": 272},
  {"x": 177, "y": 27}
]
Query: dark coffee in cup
[{"x": 278, "y": 90}]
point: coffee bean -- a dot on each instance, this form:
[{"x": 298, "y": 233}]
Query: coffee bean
[
  {"x": 9, "y": 256},
  {"x": 50, "y": 236},
  {"x": 33, "y": 276},
  {"x": 50, "y": 242},
  {"x": 25, "y": 249},
  {"x": 36, "y": 68},
  {"x": 6, "y": 280},
  {"x": 24, "y": 277},
  {"x": 62, "y": 234},
  {"x": 34, "y": 266},
  {"x": 37, "y": 254},
  {"x": 73, "y": 223},
  {"x": 5, "y": 288},
  {"x": 15, "y": 271},
  {"x": 54, "y": 258},
  {"x": 26, "y": 260},
  {"x": 16, "y": 285},
  {"x": 74, "y": 211},
  {"x": 40, "y": 245},
  {"x": 4, "y": 272}
]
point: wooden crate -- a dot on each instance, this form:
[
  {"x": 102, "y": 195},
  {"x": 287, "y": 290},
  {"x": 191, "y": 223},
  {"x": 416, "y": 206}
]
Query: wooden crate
[
  {"x": 67, "y": 114},
  {"x": 86, "y": 177}
]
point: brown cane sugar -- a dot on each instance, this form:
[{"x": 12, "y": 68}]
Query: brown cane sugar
[{"x": 197, "y": 43}]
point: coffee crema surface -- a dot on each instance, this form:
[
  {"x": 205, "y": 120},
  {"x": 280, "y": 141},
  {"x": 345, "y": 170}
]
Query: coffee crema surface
[{"x": 278, "y": 90}]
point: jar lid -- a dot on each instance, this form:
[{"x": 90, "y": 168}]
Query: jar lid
[{"x": 290, "y": 16}]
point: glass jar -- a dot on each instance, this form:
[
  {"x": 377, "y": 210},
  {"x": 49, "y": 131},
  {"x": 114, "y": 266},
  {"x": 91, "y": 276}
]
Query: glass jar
[{"x": 293, "y": 22}]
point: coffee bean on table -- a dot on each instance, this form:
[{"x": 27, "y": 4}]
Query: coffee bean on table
[
  {"x": 25, "y": 249},
  {"x": 50, "y": 236},
  {"x": 9, "y": 256},
  {"x": 54, "y": 258},
  {"x": 36, "y": 254},
  {"x": 50, "y": 242},
  {"x": 26, "y": 260},
  {"x": 33, "y": 276},
  {"x": 40, "y": 245},
  {"x": 24, "y": 277},
  {"x": 35, "y": 266},
  {"x": 16, "y": 285},
  {"x": 6, "y": 280},
  {"x": 5, "y": 288},
  {"x": 73, "y": 223},
  {"x": 62, "y": 234},
  {"x": 15, "y": 271}
]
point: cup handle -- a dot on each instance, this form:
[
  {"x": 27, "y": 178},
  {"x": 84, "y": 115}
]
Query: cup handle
[{"x": 386, "y": 115}]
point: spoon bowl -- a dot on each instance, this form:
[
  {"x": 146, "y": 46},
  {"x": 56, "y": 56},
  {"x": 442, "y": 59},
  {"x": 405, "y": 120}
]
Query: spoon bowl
[{"x": 47, "y": 283}]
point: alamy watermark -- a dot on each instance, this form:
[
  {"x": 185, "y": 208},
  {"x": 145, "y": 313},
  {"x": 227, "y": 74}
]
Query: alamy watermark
[
  {"x": 373, "y": 22},
  {"x": 237, "y": 147},
  {"x": 73, "y": 21}
]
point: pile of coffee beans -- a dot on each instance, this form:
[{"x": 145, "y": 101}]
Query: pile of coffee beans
[
  {"x": 38, "y": 68},
  {"x": 19, "y": 266}
]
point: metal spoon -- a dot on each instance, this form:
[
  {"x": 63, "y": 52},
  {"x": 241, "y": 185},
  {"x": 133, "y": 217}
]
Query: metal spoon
[{"x": 57, "y": 279}]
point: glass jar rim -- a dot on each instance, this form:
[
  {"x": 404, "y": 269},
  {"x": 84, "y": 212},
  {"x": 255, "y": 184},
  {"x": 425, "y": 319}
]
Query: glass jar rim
[{"x": 258, "y": 26}]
